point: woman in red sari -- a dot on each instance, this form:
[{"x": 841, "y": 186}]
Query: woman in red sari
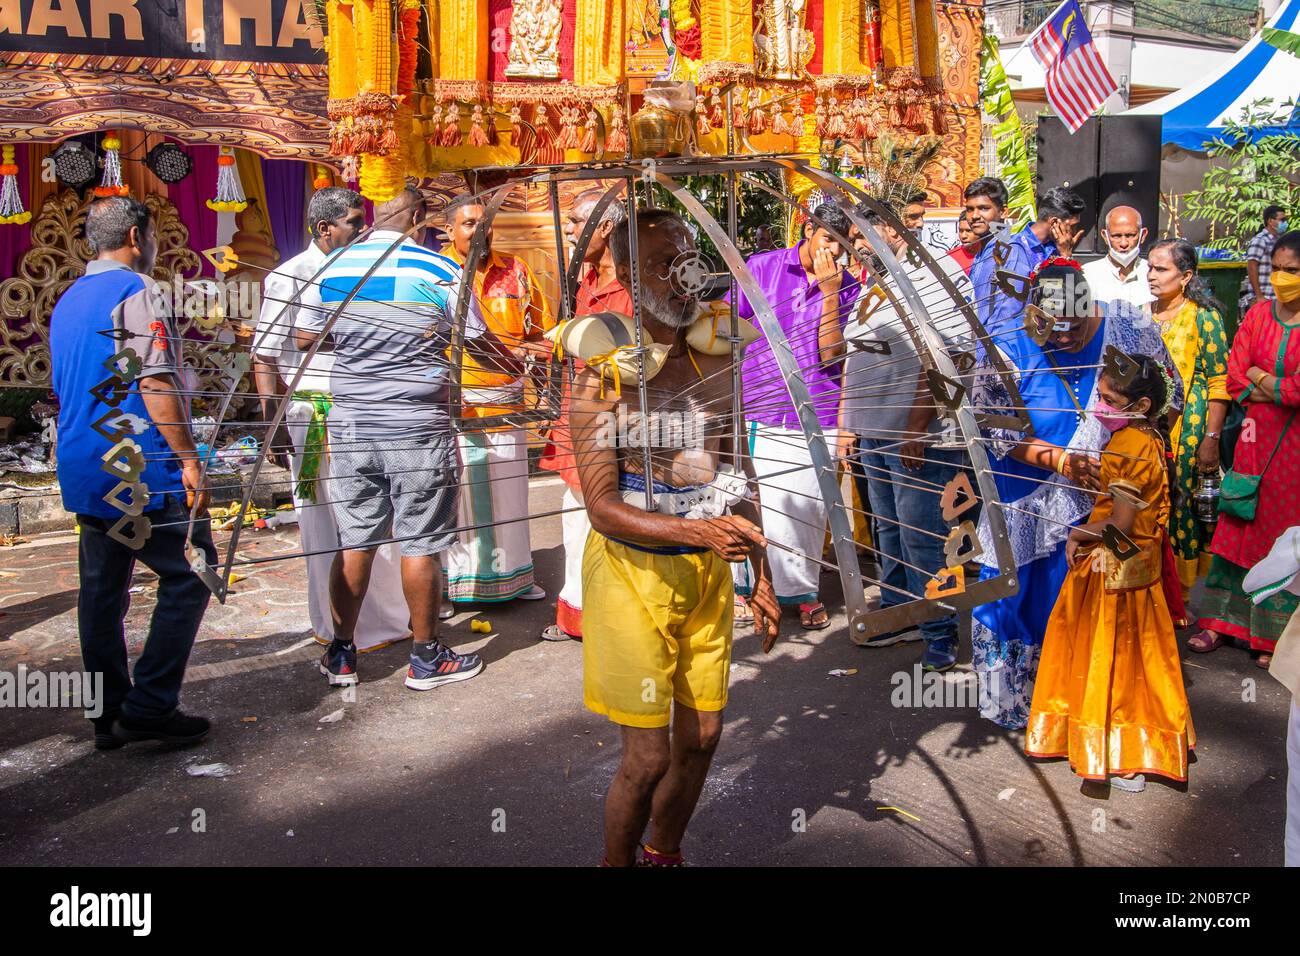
[{"x": 1264, "y": 376}]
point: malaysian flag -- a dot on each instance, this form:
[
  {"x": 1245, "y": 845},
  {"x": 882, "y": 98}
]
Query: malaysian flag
[{"x": 1077, "y": 80}]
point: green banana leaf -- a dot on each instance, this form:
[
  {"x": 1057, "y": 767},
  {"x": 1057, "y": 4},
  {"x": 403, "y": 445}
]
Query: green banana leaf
[{"x": 1282, "y": 39}]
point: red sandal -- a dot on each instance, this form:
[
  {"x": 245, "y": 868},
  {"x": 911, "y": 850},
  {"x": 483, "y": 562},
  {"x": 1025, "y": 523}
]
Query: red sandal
[
  {"x": 808, "y": 616},
  {"x": 1202, "y": 643}
]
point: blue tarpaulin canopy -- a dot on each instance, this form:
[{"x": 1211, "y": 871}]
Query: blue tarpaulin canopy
[{"x": 1196, "y": 114}]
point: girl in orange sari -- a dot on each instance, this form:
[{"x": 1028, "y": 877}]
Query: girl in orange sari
[{"x": 1109, "y": 694}]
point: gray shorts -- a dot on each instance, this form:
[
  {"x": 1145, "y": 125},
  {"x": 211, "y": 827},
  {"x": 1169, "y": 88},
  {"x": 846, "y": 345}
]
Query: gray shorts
[{"x": 400, "y": 488}]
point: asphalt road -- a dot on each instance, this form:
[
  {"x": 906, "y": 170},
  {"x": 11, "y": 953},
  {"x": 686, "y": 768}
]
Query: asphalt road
[{"x": 813, "y": 769}]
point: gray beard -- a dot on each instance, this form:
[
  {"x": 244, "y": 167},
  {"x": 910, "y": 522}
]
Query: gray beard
[{"x": 661, "y": 309}]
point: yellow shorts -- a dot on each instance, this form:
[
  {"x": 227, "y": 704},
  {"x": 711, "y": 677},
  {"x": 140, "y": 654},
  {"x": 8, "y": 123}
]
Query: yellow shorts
[{"x": 655, "y": 628}]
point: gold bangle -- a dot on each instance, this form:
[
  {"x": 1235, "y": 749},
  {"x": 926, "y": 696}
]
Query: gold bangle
[{"x": 1061, "y": 462}]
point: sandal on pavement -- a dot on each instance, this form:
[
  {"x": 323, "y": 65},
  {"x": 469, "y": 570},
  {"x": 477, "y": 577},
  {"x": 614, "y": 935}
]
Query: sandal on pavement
[
  {"x": 553, "y": 632},
  {"x": 741, "y": 614},
  {"x": 1205, "y": 641},
  {"x": 1264, "y": 660},
  {"x": 813, "y": 617}
]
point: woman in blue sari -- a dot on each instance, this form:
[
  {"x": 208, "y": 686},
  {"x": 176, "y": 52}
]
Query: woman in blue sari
[{"x": 1045, "y": 480}]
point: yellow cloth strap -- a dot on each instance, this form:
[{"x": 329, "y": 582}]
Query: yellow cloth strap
[{"x": 691, "y": 353}]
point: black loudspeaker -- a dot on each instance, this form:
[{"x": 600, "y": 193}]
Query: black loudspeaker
[{"x": 1110, "y": 161}]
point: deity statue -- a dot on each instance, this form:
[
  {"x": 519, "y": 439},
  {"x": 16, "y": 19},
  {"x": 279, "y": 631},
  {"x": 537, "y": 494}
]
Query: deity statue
[
  {"x": 534, "y": 39},
  {"x": 782, "y": 47}
]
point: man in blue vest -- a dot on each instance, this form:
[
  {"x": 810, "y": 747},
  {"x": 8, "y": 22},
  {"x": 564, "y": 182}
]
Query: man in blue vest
[{"x": 129, "y": 470}]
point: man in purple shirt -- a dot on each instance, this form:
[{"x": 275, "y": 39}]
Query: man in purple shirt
[{"x": 805, "y": 286}]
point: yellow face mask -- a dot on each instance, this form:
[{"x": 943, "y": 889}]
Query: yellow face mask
[{"x": 1286, "y": 287}]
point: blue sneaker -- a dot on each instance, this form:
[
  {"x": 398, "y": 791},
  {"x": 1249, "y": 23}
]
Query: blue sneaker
[
  {"x": 446, "y": 667},
  {"x": 940, "y": 655},
  {"x": 339, "y": 664},
  {"x": 889, "y": 638}
]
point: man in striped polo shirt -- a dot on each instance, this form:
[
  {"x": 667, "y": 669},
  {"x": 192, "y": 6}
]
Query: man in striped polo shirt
[{"x": 392, "y": 446}]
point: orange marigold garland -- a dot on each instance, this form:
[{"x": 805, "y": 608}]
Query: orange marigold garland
[
  {"x": 322, "y": 178},
  {"x": 11, "y": 201},
  {"x": 408, "y": 27}
]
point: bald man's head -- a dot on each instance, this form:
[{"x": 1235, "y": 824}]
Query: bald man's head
[
  {"x": 1121, "y": 215},
  {"x": 402, "y": 211},
  {"x": 1124, "y": 234}
]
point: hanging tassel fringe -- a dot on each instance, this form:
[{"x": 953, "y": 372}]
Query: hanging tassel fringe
[
  {"x": 616, "y": 140},
  {"x": 230, "y": 191},
  {"x": 11, "y": 202},
  {"x": 111, "y": 184}
]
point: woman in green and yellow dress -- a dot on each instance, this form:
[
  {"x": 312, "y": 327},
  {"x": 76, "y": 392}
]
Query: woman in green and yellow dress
[{"x": 1191, "y": 323}]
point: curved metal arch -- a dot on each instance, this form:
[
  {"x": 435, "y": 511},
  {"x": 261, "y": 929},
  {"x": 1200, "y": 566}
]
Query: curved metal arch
[
  {"x": 1006, "y": 582},
  {"x": 465, "y": 290},
  {"x": 1017, "y": 422},
  {"x": 220, "y": 584},
  {"x": 478, "y": 245},
  {"x": 823, "y": 463},
  {"x": 571, "y": 277}
]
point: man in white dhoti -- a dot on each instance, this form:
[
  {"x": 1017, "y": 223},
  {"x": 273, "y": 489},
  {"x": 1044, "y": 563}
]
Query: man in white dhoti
[
  {"x": 803, "y": 284},
  {"x": 492, "y": 560},
  {"x": 334, "y": 217},
  {"x": 598, "y": 291}
]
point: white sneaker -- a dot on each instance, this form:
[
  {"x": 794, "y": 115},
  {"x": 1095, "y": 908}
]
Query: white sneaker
[{"x": 533, "y": 594}]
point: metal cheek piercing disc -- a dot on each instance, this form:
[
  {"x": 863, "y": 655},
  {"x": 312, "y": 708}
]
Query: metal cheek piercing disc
[{"x": 689, "y": 274}]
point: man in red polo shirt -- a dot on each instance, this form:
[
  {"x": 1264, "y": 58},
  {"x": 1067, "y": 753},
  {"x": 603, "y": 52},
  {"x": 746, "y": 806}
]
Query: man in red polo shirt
[{"x": 598, "y": 291}]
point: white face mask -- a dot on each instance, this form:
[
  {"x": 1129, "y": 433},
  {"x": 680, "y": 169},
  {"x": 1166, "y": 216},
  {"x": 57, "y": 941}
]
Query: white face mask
[{"x": 1125, "y": 259}]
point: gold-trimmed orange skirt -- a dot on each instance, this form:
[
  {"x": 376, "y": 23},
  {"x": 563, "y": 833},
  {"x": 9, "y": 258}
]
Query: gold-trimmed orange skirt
[{"x": 1109, "y": 693}]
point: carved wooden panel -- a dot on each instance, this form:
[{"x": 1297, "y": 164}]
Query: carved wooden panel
[{"x": 58, "y": 257}]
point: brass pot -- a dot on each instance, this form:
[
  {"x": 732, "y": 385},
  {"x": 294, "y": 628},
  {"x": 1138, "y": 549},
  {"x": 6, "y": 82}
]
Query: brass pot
[{"x": 658, "y": 132}]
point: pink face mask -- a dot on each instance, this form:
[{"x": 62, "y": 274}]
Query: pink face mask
[{"x": 1111, "y": 418}]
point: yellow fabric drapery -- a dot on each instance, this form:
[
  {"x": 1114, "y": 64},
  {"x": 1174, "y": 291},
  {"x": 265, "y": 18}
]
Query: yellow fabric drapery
[
  {"x": 342, "y": 50},
  {"x": 463, "y": 38},
  {"x": 842, "y": 39},
  {"x": 927, "y": 38},
  {"x": 598, "y": 45},
  {"x": 898, "y": 34},
  {"x": 726, "y": 40},
  {"x": 249, "y": 166},
  {"x": 373, "y": 23}
]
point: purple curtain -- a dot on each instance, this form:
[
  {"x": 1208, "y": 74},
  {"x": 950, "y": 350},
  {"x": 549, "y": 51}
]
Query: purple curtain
[
  {"x": 189, "y": 197},
  {"x": 286, "y": 194},
  {"x": 16, "y": 238}
]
